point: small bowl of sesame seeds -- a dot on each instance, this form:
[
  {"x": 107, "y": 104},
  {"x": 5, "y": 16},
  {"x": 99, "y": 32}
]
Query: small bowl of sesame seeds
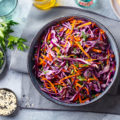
[{"x": 8, "y": 102}]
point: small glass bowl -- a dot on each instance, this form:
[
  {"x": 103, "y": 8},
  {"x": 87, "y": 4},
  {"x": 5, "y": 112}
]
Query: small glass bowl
[{"x": 7, "y": 7}]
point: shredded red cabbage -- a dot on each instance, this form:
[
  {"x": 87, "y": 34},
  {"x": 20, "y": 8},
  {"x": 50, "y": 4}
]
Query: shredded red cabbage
[{"x": 75, "y": 62}]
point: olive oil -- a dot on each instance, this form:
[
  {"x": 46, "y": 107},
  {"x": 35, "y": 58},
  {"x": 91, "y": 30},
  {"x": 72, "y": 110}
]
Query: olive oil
[{"x": 44, "y": 4}]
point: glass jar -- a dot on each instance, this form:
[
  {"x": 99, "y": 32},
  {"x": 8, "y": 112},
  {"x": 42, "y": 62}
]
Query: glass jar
[
  {"x": 7, "y": 7},
  {"x": 85, "y": 3},
  {"x": 44, "y": 4}
]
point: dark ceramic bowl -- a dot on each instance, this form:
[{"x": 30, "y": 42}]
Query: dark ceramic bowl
[{"x": 37, "y": 82}]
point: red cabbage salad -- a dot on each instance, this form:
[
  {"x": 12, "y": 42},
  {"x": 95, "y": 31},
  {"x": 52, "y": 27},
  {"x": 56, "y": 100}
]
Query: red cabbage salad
[{"x": 74, "y": 61}]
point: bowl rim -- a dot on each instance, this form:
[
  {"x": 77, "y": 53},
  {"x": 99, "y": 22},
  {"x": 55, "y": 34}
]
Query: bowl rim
[{"x": 57, "y": 20}]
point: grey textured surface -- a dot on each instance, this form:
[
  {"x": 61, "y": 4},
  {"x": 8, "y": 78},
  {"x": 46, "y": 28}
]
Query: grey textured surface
[
  {"x": 39, "y": 19},
  {"x": 13, "y": 79}
]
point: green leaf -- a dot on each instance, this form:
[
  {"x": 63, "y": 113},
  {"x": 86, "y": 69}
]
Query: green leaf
[
  {"x": 72, "y": 71},
  {"x": 45, "y": 72},
  {"x": 84, "y": 36},
  {"x": 1, "y": 34},
  {"x": 59, "y": 87},
  {"x": 77, "y": 65},
  {"x": 7, "y": 40},
  {"x": 85, "y": 65},
  {"x": 11, "y": 22},
  {"x": 74, "y": 49},
  {"x": 67, "y": 63},
  {"x": 81, "y": 78},
  {"x": 1, "y": 59},
  {"x": 16, "y": 41}
]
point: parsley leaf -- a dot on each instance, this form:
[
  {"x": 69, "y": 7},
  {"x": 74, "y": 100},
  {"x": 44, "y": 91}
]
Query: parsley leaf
[
  {"x": 19, "y": 42},
  {"x": 9, "y": 41},
  {"x": 84, "y": 36},
  {"x": 1, "y": 59},
  {"x": 81, "y": 78}
]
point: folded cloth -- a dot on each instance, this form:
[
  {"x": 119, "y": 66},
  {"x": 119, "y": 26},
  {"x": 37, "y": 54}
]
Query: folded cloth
[{"x": 19, "y": 61}]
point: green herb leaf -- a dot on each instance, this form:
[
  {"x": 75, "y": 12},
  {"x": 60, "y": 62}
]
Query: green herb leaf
[
  {"x": 77, "y": 65},
  {"x": 72, "y": 71},
  {"x": 10, "y": 41},
  {"x": 59, "y": 87},
  {"x": 1, "y": 59},
  {"x": 67, "y": 63},
  {"x": 81, "y": 78},
  {"x": 74, "y": 49},
  {"x": 45, "y": 72},
  {"x": 85, "y": 65},
  {"x": 16, "y": 41},
  {"x": 84, "y": 36}
]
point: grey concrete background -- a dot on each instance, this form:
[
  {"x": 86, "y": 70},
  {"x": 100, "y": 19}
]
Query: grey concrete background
[{"x": 12, "y": 79}]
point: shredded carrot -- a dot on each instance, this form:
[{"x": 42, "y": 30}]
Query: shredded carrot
[
  {"x": 70, "y": 19},
  {"x": 96, "y": 50},
  {"x": 90, "y": 79},
  {"x": 72, "y": 79},
  {"x": 112, "y": 56},
  {"x": 77, "y": 84},
  {"x": 97, "y": 94},
  {"x": 57, "y": 50},
  {"x": 61, "y": 29},
  {"x": 83, "y": 65},
  {"x": 71, "y": 55},
  {"x": 67, "y": 77},
  {"x": 42, "y": 62},
  {"x": 93, "y": 49},
  {"x": 50, "y": 57},
  {"x": 102, "y": 31},
  {"x": 86, "y": 90},
  {"x": 101, "y": 38},
  {"x": 80, "y": 100},
  {"x": 68, "y": 31},
  {"x": 77, "y": 39},
  {"x": 52, "y": 85},
  {"x": 71, "y": 40},
  {"x": 90, "y": 60},
  {"x": 83, "y": 25},
  {"x": 81, "y": 48},
  {"x": 76, "y": 98},
  {"x": 83, "y": 101},
  {"x": 95, "y": 77},
  {"x": 73, "y": 25},
  {"x": 49, "y": 36},
  {"x": 75, "y": 68},
  {"x": 66, "y": 44},
  {"x": 63, "y": 70},
  {"x": 79, "y": 21},
  {"x": 93, "y": 25},
  {"x": 91, "y": 38}
]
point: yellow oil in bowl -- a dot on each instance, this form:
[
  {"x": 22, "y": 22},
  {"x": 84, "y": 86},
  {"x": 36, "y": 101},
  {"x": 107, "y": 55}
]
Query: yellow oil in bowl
[{"x": 44, "y": 4}]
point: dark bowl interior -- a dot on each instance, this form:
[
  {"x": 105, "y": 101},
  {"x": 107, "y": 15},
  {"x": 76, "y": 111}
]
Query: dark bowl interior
[{"x": 37, "y": 82}]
